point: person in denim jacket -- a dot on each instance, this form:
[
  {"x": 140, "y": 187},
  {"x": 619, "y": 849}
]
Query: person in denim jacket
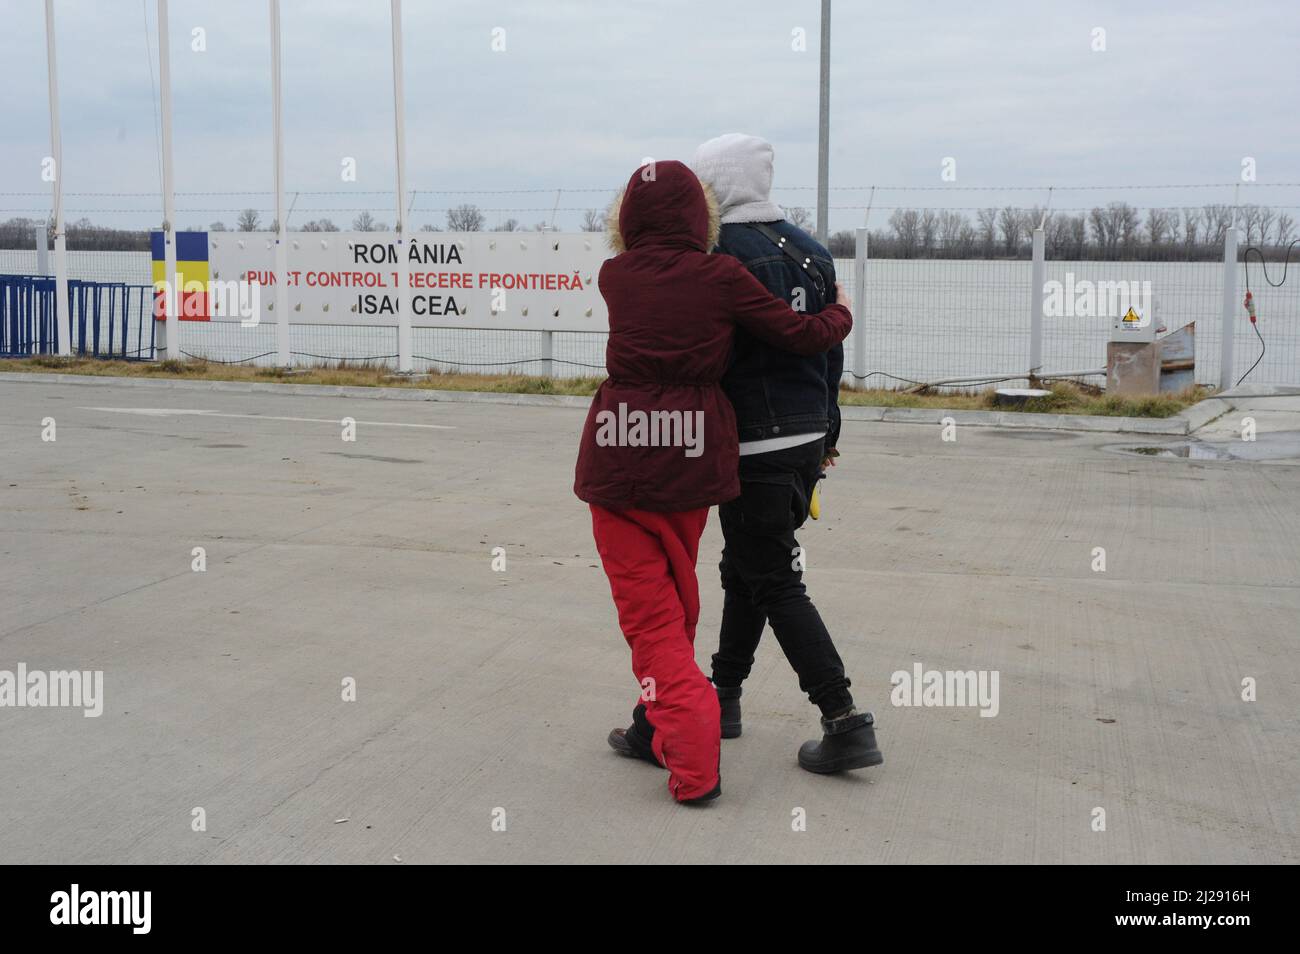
[{"x": 788, "y": 423}]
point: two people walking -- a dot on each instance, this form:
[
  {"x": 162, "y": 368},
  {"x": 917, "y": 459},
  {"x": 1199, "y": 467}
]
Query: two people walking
[{"x": 725, "y": 353}]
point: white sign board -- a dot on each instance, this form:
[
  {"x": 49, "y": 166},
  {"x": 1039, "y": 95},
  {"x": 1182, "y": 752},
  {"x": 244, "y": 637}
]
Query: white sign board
[{"x": 533, "y": 281}]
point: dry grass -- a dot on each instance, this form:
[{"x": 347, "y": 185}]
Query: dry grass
[
  {"x": 342, "y": 374},
  {"x": 1065, "y": 398}
]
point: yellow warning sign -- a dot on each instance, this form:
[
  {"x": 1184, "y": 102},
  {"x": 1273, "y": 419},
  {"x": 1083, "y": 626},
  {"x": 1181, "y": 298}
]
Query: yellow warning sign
[{"x": 1131, "y": 316}]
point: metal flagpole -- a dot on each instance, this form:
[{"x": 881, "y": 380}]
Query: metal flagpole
[
  {"x": 403, "y": 261},
  {"x": 173, "y": 290},
  {"x": 281, "y": 248},
  {"x": 56, "y": 150},
  {"x": 824, "y": 127}
]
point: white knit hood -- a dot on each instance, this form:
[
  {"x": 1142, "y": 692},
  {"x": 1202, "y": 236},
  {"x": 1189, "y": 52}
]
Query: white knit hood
[{"x": 739, "y": 169}]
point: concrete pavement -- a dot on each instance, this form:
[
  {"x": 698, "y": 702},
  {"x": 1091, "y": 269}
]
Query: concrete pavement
[{"x": 484, "y": 696}]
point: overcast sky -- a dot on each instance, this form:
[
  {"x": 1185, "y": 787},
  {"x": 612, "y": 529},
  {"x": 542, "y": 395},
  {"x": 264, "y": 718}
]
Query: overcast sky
[{"x": 1012, "y": 90}]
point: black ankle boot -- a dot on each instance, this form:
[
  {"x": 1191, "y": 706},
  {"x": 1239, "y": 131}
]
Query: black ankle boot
[
  {"x": 706, "y": 797},
  {"x": 729, "y": 700},
  {"x": 848, "y": 742},
  {"x": 630, "y": 743}
]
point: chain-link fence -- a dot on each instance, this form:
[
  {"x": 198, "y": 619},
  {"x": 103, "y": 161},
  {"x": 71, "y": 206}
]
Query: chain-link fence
[
  {"x": 931, "y": 320},
  {"x": 925, "y": 319},
  {"x": 129, "y": 268}
]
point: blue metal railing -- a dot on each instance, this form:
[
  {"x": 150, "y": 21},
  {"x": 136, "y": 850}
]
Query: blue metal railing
[{"x": 109, "y": 319}]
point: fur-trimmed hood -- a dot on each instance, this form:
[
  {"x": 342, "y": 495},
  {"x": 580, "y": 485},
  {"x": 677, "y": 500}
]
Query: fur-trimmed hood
[{"x": 663, "y": 203}]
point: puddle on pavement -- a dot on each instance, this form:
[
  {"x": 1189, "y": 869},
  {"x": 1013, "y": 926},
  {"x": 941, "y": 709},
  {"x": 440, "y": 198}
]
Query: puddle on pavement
[
  {"x": 1193, "y": 451},
  {"x": 1281, "y": 445}
]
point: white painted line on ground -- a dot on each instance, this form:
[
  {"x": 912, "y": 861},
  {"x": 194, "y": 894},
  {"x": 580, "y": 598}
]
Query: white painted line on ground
[{"x": 165, "y": 411}]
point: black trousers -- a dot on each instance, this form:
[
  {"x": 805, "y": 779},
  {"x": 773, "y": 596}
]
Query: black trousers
[{"x": 762, "y": 583}]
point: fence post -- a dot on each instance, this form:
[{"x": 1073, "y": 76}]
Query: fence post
[
  {"x": 546, "y": 354},
  {"x": 1229, "y": 308},
  {"x": 42, "y": 249},
  {"x": 860, "y": 307},
  {"x": 1037, "y": 278}
]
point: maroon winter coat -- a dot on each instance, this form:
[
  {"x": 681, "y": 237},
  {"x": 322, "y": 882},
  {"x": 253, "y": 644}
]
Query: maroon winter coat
[{"x": 672, "y": 311}]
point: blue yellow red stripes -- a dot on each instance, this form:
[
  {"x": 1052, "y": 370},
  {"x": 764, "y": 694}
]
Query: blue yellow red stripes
[{"x": 192, "y": 273}]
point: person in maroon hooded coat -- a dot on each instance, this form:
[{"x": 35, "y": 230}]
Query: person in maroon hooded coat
[{"x": 659, "y": 446}]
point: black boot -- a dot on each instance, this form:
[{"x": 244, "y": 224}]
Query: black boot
[
  {"x": 706, "y": 797},
  {"x": 629, "y": 742},
  {"x": 635, "y": 740},
  {"x": 849, "y": 742},
  {"x": 729, "y": 700}
]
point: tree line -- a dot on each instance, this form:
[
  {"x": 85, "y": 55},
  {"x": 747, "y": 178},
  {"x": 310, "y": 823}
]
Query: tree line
[{"x": 1117, "y": 231}]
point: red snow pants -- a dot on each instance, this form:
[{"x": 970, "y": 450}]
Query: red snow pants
[{"x": 649, "y": 558}]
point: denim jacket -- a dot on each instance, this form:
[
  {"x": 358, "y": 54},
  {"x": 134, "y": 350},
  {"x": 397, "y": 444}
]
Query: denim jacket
[{"x": 776, "y": 393}]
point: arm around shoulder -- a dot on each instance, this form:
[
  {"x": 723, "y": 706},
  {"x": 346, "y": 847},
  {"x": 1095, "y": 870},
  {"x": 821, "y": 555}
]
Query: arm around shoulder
[{"x": 767, "y": 317}]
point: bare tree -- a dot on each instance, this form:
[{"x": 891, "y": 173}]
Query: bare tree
[
  {"x": 217, "y": 227},
  {"x": 18, "y": 232},
  {"x": 1100, "y": 228},
  {"x": 950, "y": 228},
  {"x": 1078, "y": 236},
  {"x": 966, "y": 239},
  {"x": 1285, "y": 226},
  {"x": 1191, "y": 231},
  {"x": 1108, "y": 228},
  {"x": 1125, "y": 224},
  {"x": 1218, "y": 218},
  {"x": 464, "y": 218},
  {"x": 988, "y": 229},
  {"x": 800, "y": 218},
  {"x": 248, "y": 220},
  {"x": 906, "y": 225},
  {"x": 1266, "y": 219},
  {"x": 1058, "y": 235},
  {"x": 1250, "y": 221},
  {"x": 1010, "y": 222},
  {"x": 320, "y": 225},
  {"x": 509, "y": 225},
  {"x": 842, "y": 244},
  {"x": 593, "y": 220},
  {"x": 1160, "y": 226},
  {"x": 928, "y": 230}
]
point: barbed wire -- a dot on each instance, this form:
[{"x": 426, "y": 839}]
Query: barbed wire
[
  {"x": 1050, "y": 188},
  {"x": 550, "y": 209},
  {"x": 609, "y": 190},
  {"x": 304, "y": 213}
]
